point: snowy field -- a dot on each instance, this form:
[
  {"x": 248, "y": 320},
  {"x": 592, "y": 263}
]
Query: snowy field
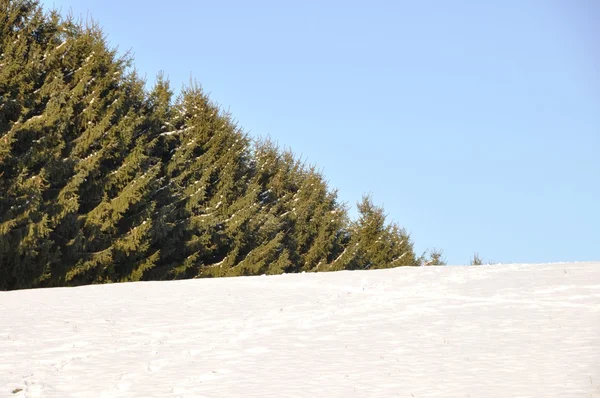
[{"x": 490, "y": 331}]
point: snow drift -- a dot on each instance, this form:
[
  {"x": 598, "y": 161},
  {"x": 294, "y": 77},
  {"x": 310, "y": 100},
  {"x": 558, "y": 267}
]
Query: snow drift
[{"x": 489, "y": 331}]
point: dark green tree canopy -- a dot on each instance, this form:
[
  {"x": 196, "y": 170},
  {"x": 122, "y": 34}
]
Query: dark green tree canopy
[{"x": 102, "y": 180}]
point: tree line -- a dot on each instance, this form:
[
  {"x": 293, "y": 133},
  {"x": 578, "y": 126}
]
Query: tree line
[{"x": 102, "y": 180}]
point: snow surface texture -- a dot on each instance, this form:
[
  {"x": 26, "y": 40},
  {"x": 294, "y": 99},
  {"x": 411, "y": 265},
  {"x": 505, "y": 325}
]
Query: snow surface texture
[{"x": 489, "y": 331}]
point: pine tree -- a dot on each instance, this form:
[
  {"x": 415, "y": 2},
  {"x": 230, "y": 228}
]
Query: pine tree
[
  {"x": 476, "y": 260},
  {"x": 319, "y": 223},
  {"x": 373, "y": 244},
  {"x": 29, "y": 145},
  {"x": 433, "y": 257},
  {"x": 103, "y": 181}
]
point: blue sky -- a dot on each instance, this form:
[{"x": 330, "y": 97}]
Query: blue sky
[{"x": 475, "y": 123}]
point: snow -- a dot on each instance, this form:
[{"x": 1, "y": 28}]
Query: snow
[
  {"x": 164, "y": 187},
  {"x": 219, "y": 263},
  {"x": 90, "y": 155},
  {"x": 175, "y": 131},
  {"x": 399, "y": 257},
  {"x": 486, "y": 331}
]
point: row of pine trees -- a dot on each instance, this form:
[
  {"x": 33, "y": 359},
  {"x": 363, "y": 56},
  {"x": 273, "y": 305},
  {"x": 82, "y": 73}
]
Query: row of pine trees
[{"x": 102, "y": 180}]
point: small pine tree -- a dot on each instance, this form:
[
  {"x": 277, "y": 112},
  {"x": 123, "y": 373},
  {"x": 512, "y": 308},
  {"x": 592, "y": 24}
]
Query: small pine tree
[
  {"x": 433, "y": 257},
  {"x": 373, "y": 244},
  {"x": 476, "y": 260}
]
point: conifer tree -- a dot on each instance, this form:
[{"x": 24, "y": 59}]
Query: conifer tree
[
  {"x": 433, "y": 257},
  {"x": 476, "y": 260},
  {"x": 319, "y": 223},
  {"x": 373, "y": 244},
  {"x": 263, "y": 220},
  {"x": 103, "y": 181},
  {"x": 29, "y": 145}
]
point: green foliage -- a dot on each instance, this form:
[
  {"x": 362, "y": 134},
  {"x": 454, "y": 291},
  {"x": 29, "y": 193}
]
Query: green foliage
[
  {"x": 104, "y": 181},
  {"x": 373, "y": 243}
]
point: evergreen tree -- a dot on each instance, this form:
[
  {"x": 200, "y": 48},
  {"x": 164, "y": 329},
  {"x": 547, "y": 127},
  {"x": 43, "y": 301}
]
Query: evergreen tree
[
  {"x": 433, "y": 257},
  {"x": 373, "y": 244},
  {"x": 29, "y": 145},
  {"x": 320, "y": 221},
  {"x": 272, "y": 182},
  {"x": 206, "y": 174},
  {"x": 103, "y": 181},
  {"x": 476, "y": 260}
]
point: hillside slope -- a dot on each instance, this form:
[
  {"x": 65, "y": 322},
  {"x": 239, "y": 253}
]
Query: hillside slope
[{"x": 491, "y": 331}]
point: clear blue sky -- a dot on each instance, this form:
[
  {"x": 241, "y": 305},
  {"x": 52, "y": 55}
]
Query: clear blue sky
[{"x": 475, "y": 123}]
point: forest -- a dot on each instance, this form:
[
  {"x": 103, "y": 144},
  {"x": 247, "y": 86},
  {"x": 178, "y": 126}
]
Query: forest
[{"x": 103, "y": 180}]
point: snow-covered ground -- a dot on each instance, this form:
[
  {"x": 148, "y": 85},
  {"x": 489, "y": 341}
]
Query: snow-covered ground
[{"x": 490, "y": 331}]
